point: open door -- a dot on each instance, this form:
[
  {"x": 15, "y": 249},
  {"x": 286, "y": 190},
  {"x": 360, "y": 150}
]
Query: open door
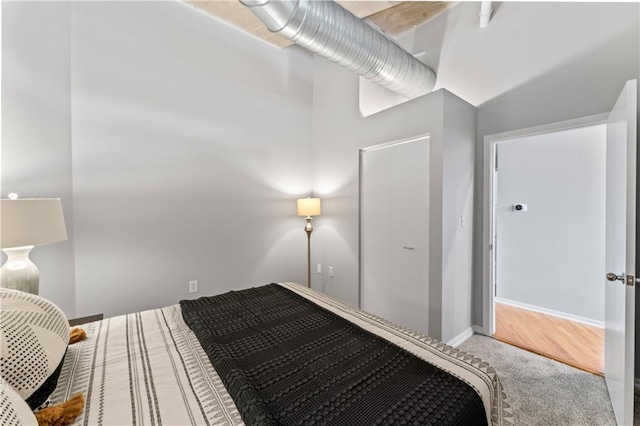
[{"x": 620, "y": 252}]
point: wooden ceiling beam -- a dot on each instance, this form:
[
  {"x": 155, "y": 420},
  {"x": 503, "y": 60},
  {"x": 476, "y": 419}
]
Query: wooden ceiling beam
[
  {"x": 407, "y": 15},
  {"x": 392, "y": 17},
  {"x": 233, "y": 13},
  {"x": 362, "y": 9}
]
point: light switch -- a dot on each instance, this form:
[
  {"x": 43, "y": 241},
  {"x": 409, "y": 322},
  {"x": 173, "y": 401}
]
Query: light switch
[{"x": 319, "y": 268}]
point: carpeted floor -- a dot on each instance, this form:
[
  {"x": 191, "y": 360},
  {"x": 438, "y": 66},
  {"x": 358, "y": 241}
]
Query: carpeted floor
[{"x": 542, "y": 391}]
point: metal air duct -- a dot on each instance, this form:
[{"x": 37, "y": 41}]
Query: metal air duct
[
  {"x": 485, "y": 13},
  {"x": 326, "y": 28}
]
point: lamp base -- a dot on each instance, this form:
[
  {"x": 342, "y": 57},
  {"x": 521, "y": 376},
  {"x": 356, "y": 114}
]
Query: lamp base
[
  {"x": 308, "y": 229},
  {"x": 19, "y": 272}
]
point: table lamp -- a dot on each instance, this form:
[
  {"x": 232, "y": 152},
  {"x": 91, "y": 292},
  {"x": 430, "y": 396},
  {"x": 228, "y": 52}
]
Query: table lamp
[
  {"x": 309, "y": 207},
  {"x": 26, "y": 223}
]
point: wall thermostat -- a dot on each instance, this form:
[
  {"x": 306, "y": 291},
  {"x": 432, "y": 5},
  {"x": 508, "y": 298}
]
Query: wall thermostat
[{"x": 520, "y": 207}]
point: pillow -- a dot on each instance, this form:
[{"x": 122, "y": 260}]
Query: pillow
[
  {"x": 13, "y": 410},
  {"x": 34, "y": 335}
]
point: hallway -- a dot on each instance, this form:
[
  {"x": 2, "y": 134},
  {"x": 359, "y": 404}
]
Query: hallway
[{"x": 572, "y": 343}]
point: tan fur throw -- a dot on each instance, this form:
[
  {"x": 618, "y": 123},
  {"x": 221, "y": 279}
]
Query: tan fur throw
[
  {"x": 76, "y": 334},
  {"x": 61, "y": 414}
]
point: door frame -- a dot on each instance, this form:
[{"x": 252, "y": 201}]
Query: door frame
[{"x": 488, "y": 231}]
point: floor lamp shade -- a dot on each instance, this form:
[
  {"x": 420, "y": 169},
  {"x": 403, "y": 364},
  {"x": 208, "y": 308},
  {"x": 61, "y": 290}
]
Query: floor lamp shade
[
  {"x": 26, "y": 223},
  {"x": 309, "y": 207}
]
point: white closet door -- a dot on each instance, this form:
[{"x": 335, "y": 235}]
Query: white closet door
[
  {"x": 394, "y": 232},
  {"x": 375, "y": 231}
]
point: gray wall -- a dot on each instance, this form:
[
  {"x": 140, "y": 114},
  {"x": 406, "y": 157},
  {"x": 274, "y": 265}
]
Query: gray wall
[
  {"x": 191, "y": 142},
  {"x": 36, "y": 128},
  {"x": 338, "y": 133},
  {"x": 534, "y": 64},
  {"x": 459, "y": 122},
  {"x": 552, "y": 256},
  {"x": 185, "y": 142},
  {"x": 452, "y": 123},
  {"x": 637, "y": 325}
]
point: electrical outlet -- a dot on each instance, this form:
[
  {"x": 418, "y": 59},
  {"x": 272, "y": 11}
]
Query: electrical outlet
[
  {"x": 319, "y": 268},
  {"x": 193, "y": 286},
  {"x": 330, "y": 271}
]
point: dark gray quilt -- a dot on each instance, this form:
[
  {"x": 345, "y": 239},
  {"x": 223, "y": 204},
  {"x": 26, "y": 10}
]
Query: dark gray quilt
[{"x": 287, "y": 361}]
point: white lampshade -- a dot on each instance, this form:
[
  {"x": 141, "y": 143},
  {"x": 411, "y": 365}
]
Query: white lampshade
[
  {"x": 31, "y": 222},
  {"x": 309, "y": 207}
]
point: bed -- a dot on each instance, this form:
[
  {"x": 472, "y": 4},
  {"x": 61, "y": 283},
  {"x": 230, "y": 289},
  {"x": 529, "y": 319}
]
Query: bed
[{"x": 150, "y": 368}]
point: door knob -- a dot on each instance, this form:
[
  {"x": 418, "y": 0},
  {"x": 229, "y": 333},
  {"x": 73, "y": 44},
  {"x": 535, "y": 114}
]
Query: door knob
[
  {"x": 613, "y": 277},
  {"x": 629, "y": 280}
]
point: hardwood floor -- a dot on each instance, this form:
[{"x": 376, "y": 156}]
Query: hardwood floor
[{"x": 572, "y": 343}]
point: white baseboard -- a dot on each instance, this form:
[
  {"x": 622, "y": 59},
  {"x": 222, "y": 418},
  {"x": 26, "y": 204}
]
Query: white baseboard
[
  {"x": 457, "y": 341},
  {"x": 478, "y": 330},
  {"x": 564, "y": 315}
]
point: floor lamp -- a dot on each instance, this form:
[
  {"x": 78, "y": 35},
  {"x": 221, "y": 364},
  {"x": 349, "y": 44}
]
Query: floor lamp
[
  {"x": 26, "y": 223},
  {"x": 309, "y": 207}
]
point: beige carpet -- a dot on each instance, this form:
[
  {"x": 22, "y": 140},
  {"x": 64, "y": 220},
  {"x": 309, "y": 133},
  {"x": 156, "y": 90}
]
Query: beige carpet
[{"x": 542, "y": 391}]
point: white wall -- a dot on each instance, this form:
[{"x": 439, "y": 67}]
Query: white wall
[
  {"x": 552, "y": 256},
  {"x": 36, "y": 128},
  {"x": 185, "y": 142},
  {"x": 530, "y": 51},
  {"x": 582, "y": 59}
]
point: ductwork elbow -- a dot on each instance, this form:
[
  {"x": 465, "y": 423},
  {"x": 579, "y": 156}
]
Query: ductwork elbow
[
  {"x": 326, "y": 28},
  {"x": 273, "y": 14},
  {"x": 485, "y": 13}
]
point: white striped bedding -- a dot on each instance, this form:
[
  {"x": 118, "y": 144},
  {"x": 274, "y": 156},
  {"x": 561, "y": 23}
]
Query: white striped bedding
[{"x": 148, "y": 368}]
